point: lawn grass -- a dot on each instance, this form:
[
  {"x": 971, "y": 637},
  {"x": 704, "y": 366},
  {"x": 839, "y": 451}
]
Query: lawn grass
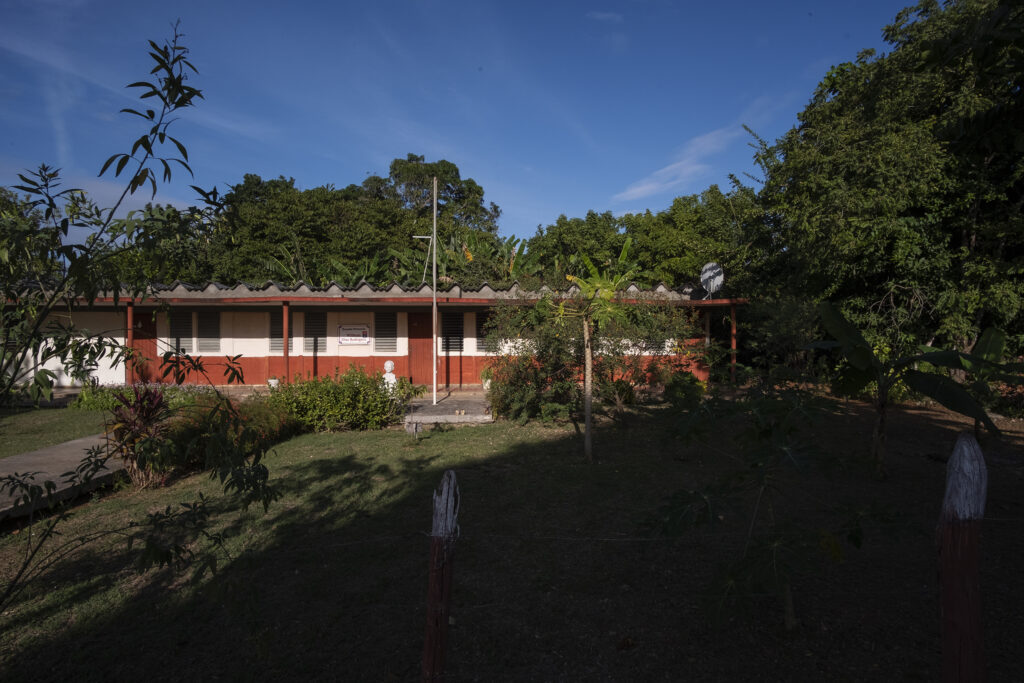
[
  {"x": 557, "y": 574},
  {"x": 26, "y": 429}
]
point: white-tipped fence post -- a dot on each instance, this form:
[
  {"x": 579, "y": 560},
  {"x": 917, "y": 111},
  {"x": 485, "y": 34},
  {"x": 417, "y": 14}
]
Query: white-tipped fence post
[
  {"x": 442, "y": 549},
  {"x": 959, "y": 558}
]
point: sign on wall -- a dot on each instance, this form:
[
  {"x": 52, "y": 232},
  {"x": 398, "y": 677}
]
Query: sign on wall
[{"x": 353, "y": 334}]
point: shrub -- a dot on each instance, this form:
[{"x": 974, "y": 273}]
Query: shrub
[
  {"x": 683, "y": 390},
  {"x": 351, "y": 400},
  {"x": 777, "y": 333},
  {"x": 253, "y": 425},
  {"x": 136, "y": 429},
  {"x": 176, "y": 396},
  {"x": 545, "y": 384},
  {"x": 539, "y": 373}
]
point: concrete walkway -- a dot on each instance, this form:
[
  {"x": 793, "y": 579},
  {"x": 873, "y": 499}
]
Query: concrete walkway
[
  {"x": 52, "y": 463},
  {"x": 459, "y": 407}
]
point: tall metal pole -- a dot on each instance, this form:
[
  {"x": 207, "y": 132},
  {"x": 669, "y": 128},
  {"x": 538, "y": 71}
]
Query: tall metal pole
[{"x": 433, "y": 244}]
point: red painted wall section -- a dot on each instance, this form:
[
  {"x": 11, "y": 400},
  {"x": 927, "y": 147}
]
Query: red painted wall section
[{"x": 454, "y": 371}]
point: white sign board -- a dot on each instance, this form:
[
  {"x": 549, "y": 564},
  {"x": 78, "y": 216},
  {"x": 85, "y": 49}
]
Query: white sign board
[{"x": 353, "y": 334}]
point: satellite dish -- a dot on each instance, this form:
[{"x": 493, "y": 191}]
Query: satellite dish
[{"x": 711, "y": 278}]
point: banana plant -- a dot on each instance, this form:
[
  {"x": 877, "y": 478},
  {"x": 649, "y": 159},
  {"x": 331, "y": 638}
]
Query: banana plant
[
  {"x": 371, "y": 269},
  {"x": 864, "y": 366},
  {"x": 596, "y": 303}
]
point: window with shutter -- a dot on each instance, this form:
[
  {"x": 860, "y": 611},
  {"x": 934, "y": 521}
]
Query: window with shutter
[
  {"x": 451, "y": 332},
  {"x": 315, "y": 332},
  {"x": 208, "y": 331},
  {"x": 385, "y": 331},
  {"x": 482, "y": 342},
  {"x": 277, "y": 332},
  {"x": 181, "y": 331}
]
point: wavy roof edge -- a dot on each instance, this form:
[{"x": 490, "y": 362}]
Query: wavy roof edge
[{"x": 394, "y": 290}]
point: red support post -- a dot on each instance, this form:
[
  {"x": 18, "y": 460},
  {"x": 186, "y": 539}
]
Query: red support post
[
  {"x": 286, "y": 338},
  {"x": 732, "y": 342},
  {"x": 129, "y": 342}
]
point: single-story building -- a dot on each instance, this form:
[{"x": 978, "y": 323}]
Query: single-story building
[{"x": 328, "y": 329}]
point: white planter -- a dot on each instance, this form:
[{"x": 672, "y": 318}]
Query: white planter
[{"x": 273, "y": 382}]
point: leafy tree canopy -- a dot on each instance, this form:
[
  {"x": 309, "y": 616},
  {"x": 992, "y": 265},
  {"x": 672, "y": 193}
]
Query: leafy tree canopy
[
  {"x": 900, "y": 190},
  {"x": 271, "y": 230},
  {"x": 673, "y": 245}
]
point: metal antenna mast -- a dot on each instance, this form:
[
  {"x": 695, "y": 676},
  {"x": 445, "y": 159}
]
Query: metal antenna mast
[{"x": 432, "y": 254}]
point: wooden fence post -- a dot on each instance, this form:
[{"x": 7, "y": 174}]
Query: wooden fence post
[
  {"x": 443, "y": 533},
  {"x": 959, "y": 557}
]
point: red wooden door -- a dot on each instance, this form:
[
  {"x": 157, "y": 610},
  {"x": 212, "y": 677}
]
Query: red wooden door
[
  {"x": 420, "y": 350},
  {"x": 148, "y": 368}
]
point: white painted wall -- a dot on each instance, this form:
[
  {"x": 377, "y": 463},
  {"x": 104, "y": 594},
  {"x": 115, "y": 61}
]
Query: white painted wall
[
  {"x": 335, "y": 320},
  {"x": 110, "y": 324},
  {"x": 403, "y": 335},
  {"x": 247, "y": 333}
]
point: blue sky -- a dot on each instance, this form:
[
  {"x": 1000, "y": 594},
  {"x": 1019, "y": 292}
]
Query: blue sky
[{"x": 553, "y": 107}]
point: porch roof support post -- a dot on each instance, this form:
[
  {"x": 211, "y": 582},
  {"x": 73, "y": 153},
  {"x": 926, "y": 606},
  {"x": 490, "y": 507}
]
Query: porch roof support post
[
  {"x": 285, "y": 339},
  {"x": 732, "y": 342}
]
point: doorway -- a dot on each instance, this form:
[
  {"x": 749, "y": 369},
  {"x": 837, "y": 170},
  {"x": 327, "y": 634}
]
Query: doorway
[
  {"x": 421, "y": 359},
  {"x": 146, "y": 369}
]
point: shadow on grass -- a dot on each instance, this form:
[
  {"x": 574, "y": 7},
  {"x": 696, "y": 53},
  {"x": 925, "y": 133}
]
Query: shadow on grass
[{"x": 555, "y": 578}]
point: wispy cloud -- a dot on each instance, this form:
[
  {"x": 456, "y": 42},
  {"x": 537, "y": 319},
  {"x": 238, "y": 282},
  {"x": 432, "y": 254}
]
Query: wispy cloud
[
  {"x": 605, "y": 17},
  {"x": 57, "y": 104},
  {"x": 690, "y": 165},
  {"x": 74, "y": 72}
]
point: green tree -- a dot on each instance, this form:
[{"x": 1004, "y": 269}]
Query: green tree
[
  {"x": 270, "y": 229},
  {"x": 45, "y": 276},
  {"x": 900, "y": 191},
  {"x": 595, "y": 304},
  {"x": 558, "y": 246},
  {"x": 460, "y": 201},
  {"x": 673, "y": 245}
]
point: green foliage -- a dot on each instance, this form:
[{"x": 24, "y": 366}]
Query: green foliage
[
  {"x": 538, "y": 373},
  {"x": 104, "y": 397},
  {"x": 865, "y": 368},
  {"x": 684, "y": 391},
  {"x": 777, "y": 438},
  {"x": 643, "y": 346},
  {"x": 199, "y": 430},
  {"x": 558, "y": 247},
  {"x": 271, "y": 230},
  {"x": 673, "y": 245},
  {"x": 44, "y": 276},
  {"x": 349, "y": 400},
  {"x": 900, "y": 192},
  {"x": 135, "y": 431},
  {"x": 776, "y": 333}
]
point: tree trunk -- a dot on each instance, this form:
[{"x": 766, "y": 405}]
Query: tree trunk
[{"x": 588, "y": 390}]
